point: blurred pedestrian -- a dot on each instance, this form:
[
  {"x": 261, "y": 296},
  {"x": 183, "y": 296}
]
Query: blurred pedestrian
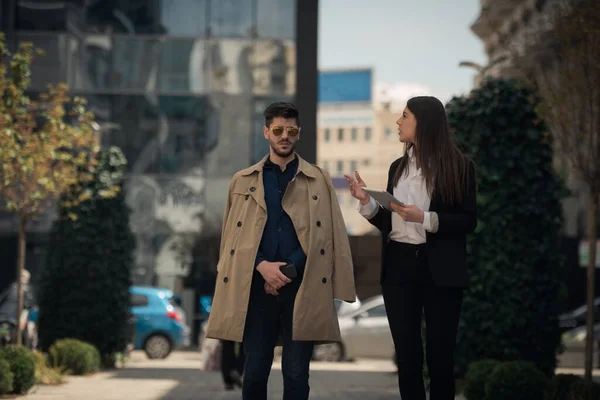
[
  {"x": 424, "y": 245},
  {"x": 232, "y": 364}
]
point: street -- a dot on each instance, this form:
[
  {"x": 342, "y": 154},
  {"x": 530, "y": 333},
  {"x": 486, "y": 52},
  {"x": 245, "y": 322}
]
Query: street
[{"x": 179, "y": 378}]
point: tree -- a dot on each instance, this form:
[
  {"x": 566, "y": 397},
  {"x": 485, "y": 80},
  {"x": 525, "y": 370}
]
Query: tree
[
  {"x": 510, "y": 311},
  {"x": 564, "y": 63},
  {"x": 45, "y": 151},
  {"x": 89, "y": 263}
]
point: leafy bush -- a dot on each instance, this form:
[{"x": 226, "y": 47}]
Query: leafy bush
[
  {"x": 74, "y": 356},
  {"x": 88, "y": 263},
  {"x": 478, "y": 374},
  {"x": 45, "y": 374},
  {"x": 579, "y": 390},
  {"x": 6, "y": 377},
  {"x": 22, "y": 365},
  {"x": 561, "y": 385},
  {"x": 516, "y": 380},
  {"x": 515, "y": 265}
]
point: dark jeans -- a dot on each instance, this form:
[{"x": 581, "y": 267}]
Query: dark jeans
[
  {"x": 266, "y": 318},
  {"x": 408, "y": 290}
]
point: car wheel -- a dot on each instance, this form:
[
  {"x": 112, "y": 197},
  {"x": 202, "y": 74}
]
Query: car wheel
[
  {"x": 329, "y": 352},
  {"x": 157, "y": 347}
]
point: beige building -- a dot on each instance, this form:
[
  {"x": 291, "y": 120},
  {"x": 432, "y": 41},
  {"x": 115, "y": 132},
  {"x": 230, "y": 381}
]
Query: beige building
[
  {"x": 508, "y": 27},
  {"x": 357, "y": 137}
]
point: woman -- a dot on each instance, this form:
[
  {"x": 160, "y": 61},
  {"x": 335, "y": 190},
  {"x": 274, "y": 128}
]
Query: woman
[{"x": 424, "y": 245}]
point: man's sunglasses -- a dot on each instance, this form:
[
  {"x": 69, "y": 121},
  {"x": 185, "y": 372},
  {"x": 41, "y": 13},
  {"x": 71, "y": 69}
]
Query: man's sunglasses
[{"x": 291, "y": 130}]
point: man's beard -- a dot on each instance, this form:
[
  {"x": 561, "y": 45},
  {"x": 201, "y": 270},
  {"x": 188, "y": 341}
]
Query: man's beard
[{"x": 284, "y": 154}]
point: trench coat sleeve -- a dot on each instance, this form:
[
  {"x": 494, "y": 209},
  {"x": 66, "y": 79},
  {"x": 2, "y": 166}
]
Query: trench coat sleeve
[
  {"x": 343, "y": 271},
  {"x": 224, "y": 225}
]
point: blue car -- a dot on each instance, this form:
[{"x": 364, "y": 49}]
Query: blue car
[{"x": 159, "y": 322}]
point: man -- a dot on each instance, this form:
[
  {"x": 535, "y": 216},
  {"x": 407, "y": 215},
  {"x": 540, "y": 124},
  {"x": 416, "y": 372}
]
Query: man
[{"x": 282, "y": 211}]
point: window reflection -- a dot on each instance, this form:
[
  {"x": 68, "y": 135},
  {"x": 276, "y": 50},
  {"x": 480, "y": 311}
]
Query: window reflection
[
  {"x": 231, "y": 18},
  {"x": 122, "y": 16},
  {"x": 175, "y": 59},
  {"x": 201, "y": 66},
  {"x": 166, "y": 135},
  {"x": 276, "y": 19},
  {"x": 44, "y": 16},
  {"x": 56, "y": 64},
  {"x": 184, "y": 17}
]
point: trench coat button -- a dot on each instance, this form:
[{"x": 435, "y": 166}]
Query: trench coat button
[
  {"x": 324, "y": 280},
  {"x": 226, "y": 279},
  {"x": 232, "y": 252},
  {"x": 318, "y": 223},
  {"x": 252, "y": 189},
  {"x": 322, "y": 251},
  {"x": 315, "y": 197},
  {"x": 247, "y": 197},
  {"x": 239, "y": 223}
]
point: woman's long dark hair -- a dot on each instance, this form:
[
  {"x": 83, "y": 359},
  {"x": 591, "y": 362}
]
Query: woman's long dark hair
[{"x": 442, "y": 164}]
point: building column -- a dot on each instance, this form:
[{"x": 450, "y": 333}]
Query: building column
[{"x": 307, "y": 25}]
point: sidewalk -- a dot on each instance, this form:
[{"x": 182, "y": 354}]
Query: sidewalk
[{"x": 178, "y": 378}]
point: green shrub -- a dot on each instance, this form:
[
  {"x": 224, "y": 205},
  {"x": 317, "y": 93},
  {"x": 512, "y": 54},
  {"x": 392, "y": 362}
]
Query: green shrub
[
  {"x": 477, "y": 376},
  {"x": 579, "y": 390},
  {"x": 90, "y": 258},
  {"x": 6, "y": 377},
  {"x": 44, "y": 374},
  {"x": 561, "y": 385},
  {"x": 74, "y": 356},
  {"x": 22, "y": 365},
  {"x": 515, "y": 264},
  {"x": 516, "y": 380}
]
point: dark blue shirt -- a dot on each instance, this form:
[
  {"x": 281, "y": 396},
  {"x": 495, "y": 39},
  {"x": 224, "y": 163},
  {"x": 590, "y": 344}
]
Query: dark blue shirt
[{"x": 279, "y": 241}]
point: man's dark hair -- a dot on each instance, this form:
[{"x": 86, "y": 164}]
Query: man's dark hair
[{"x": 281, "y": 109}]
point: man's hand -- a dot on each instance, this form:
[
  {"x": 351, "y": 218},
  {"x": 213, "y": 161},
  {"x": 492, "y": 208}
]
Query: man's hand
[
  {"x": 409, "y": 213},
  {"x": 271, "y": 290},
  {"x": 272, "y": 275}
]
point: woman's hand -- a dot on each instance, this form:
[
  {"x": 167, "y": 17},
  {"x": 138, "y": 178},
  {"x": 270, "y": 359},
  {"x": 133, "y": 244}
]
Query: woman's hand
[
  {"x": 356, "y": 188},
  {"x": 409, "y": 213}
]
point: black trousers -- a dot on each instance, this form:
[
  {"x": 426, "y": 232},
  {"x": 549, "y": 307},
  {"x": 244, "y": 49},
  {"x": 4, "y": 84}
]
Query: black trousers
[
  {"x": 268, "y": 317},
  {"x": 408, "y": 290}
]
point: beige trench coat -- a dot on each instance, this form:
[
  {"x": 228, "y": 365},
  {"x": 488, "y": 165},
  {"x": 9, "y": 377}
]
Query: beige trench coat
[{"x": 310, "y": 201}]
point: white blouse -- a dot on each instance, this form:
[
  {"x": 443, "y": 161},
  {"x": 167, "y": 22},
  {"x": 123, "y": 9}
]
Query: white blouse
[{"x": 412, "y": 190}]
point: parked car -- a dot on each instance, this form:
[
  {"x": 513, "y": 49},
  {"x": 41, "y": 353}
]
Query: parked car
[
  {"x": 577, "y": 317},
  {"x": 159, "y": 323},
  {"x": 365, "y": 333},
  {"x": 343, "y": 307}
]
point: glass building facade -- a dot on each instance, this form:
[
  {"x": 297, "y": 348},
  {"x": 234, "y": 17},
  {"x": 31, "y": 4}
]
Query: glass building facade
[{"x": 180, "y": 87}]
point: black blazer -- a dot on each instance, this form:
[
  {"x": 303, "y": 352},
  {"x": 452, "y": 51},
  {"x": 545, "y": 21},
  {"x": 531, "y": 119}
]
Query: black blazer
[{"x": 447, "y": 248}]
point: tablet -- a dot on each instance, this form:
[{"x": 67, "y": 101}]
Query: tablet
[{"x": 383, "y": 197}]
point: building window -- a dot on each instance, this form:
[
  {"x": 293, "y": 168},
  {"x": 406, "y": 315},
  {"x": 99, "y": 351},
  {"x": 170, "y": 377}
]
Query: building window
[
  {"x": 326, "y": 166},
  {"x": 327, "y": 134},
  {"x": 368, "y": 134},
  {"x": 340, "y": 134},
  {"x": 388, "y": 132},
  {"x": 354, "y": 134},
  {"x": 353, "y": 166},
  {"x": 340, "y": 167}
]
